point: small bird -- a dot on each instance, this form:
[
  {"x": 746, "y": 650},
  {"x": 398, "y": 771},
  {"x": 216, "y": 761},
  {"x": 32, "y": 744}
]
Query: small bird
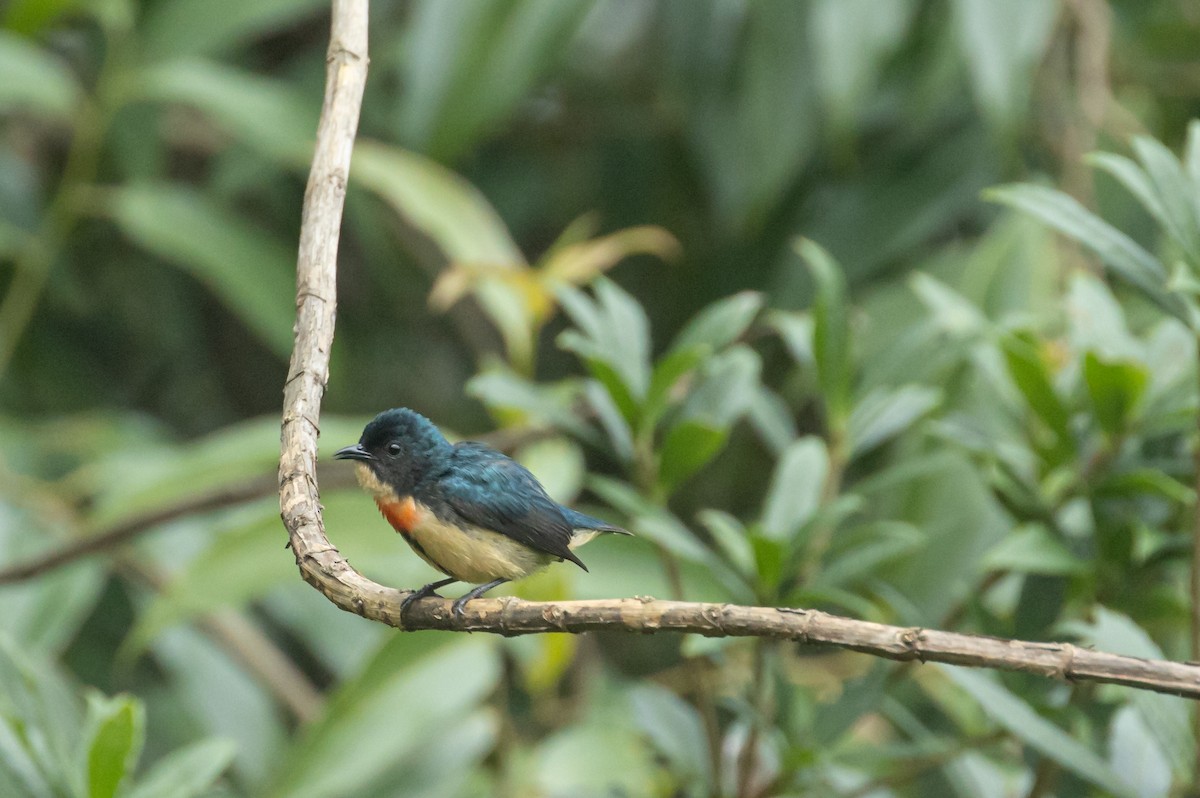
[{"x": 471, "y": 512}]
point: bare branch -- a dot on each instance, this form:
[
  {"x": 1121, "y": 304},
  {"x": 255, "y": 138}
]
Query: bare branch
[
  {"x": 323, "y": 567},
  {"x": 128, "y": 530}
]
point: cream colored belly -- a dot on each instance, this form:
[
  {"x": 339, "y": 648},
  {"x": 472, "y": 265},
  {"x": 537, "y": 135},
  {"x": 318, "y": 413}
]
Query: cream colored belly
[
  {"x": 470, "y": 555},
  {"x": 473, "y": 554}
]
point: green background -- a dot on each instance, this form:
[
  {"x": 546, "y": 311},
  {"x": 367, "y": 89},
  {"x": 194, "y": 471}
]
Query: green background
[{"x": 882, "y": 307}]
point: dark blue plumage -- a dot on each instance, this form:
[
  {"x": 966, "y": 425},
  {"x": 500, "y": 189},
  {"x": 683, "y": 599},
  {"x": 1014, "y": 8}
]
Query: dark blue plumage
[
  {"x": 472, "y": 512},
  {"x": 488, "y": 489}
]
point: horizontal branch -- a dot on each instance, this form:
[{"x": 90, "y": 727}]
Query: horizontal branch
[{"x": 511, "y": 616}]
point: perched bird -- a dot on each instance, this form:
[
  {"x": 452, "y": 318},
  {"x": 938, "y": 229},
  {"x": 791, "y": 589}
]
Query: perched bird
[{"x": 471, "y": 512}]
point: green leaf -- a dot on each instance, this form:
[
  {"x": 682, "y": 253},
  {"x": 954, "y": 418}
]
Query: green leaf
[
  {"x": 796, "y": 332},
  {"x": 629, "y": 327},
  {"x": 858, "y": 698},
  {"x": 952, "y": 311},
  {"x": 219, "y": 697},
  {"x": 1120, "y": 252},
  {"x": 44, "y": 615},
  {"x": 602, "y": 369},
  {"x": 884, "y": 414},
  {"x": 245, "y": 560},
  {"x": 666, "y": 377},
  {"x": 851, "y": 40},
  {"x": 1131, "y": 176},
  {"x": 1177, "y": 196},
  {"x": 187, "y": 771},
  {"x": 35, "y": 80},
  {"x": 610, "y": 417},
  {"x": 1014, "y": 714},
  {"x": 1165, "y": 716},
  {"x": 189, "y": 27},
  {"x": 1030, "y": 373},
  {"x": 115, "y": 743},
  {"x": 613, "y": 339},
  {"x": 689, "y": 446},
  {"x": 796, "y": 488},
  {"x": 771, "y": 417},
  {"x": 1002, "y": 43},
  {"x": 859, "y": 552},
  {"x": 1115, "y": 388},
  {"x": 558, "y": 465},
  {"x": 675, "y": 729},
  {"x": 469, "y": 63},
  {"x": 345, "y": 751},
  {"x": 605, "y": 756},
  {"x": 18, "y": 772},
  {"x": 40, "y": 725},
  {"x": 1145, "y": 482},
  {"x": 723, "y": 395},
  {"x": 845, "y": 602},
  {"x": 142, "y": 476},
  {"x": 831, "y": 332},
  {"x": 1031, "y": 549},
  {"x": 1191, "y": 155},
  {"x": 506, "y": 392},
  {"x": 1096, "y": 321},
  {"x": 770, "y": 557},
  {"x": 726, "y": 388},
  {"x": 29, "y": 17},
  {"x": 651, "y": 521},
  {"x": 1135, "y": 754},
  {"x": 247, "y": 269},
  {"x": 731, "y": 538},
  {"x": 267, "y": 114},
  {"x": 721, "y": 323},
  {"x": 437, "y": 202}
]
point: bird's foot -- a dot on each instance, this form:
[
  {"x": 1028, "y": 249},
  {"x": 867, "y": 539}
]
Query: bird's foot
[
  {"x": 460, "y": 604},
  {"x": 423, "y": 592}
]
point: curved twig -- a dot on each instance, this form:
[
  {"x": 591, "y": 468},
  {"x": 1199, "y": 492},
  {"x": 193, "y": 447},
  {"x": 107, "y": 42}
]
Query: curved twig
[{"x": 323, "y": 567}]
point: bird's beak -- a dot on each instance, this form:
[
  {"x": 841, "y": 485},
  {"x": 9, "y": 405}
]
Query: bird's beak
[{"x": 355, "y": 452}]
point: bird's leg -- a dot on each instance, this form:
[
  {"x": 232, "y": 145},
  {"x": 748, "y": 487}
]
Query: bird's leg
[
  {"x": 429, "y": 590},
  {"x": 473, "y": 593}
]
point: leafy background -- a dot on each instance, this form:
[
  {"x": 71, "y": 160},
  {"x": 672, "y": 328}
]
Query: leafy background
[{"x": 883, "y": 308}]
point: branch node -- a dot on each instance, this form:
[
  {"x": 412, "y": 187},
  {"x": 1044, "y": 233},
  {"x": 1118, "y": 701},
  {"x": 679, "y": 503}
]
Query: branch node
[
  {"x": 1067, "y": 668},
  {"x": 506, "y": 606},
  {"x": 713, "y": 615},
  {"x": 911, "y": 638},
  {"x": 806, "y": 618},
  {"x": 554, "y": 614}
]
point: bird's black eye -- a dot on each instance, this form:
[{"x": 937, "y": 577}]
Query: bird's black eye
[{"x": 393, "y": 449}]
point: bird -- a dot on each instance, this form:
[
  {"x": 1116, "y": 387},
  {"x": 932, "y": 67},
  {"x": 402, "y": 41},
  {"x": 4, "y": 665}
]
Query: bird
[{"x": 469, "y": 511}]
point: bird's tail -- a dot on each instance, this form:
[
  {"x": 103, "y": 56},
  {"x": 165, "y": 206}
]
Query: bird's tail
[
  {"x": 583, "y": 523},
  {"x": 587, "y": 527}
]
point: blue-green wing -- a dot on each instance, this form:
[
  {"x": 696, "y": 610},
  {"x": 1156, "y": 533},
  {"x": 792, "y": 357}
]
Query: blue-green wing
[{"x": 484, "y": 488}]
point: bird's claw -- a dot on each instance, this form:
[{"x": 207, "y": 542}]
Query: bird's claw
[
  {"x": 459, "y": 606},
  {"x": 414, "y": 596},
  {"x": 423, "y": 592}
]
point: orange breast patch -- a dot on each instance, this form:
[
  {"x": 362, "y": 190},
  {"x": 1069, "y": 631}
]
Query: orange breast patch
[{"x": 402, "y": 515}]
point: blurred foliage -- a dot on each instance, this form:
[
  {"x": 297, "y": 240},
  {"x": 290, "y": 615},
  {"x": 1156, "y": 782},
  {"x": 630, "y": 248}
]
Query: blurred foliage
[{"x": 730, "y": 263}]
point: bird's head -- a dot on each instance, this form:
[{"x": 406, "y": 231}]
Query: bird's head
[{"x": 395, "y": 452}]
